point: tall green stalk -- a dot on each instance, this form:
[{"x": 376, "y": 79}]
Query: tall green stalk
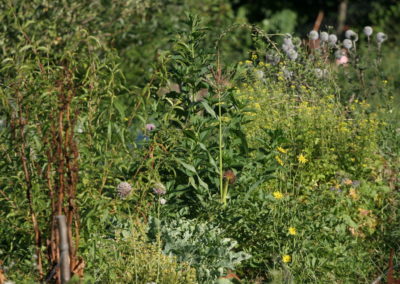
[{"x": 221, "y": 174}]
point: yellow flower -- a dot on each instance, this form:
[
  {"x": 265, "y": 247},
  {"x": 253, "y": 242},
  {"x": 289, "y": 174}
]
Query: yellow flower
[
  {"x": 283, "y": 151},
  {"x": 254, "y": 57},
  {"x": 292, "y": 231},
  {"x": 248, "y": 62},
  {"x": 278, "y": 195},
  {"x": 279, "y": 160},
  {"x": 302, "y": 159},
  {"x": 353, "y": 194},
  {"x": 286, "y": 258}
]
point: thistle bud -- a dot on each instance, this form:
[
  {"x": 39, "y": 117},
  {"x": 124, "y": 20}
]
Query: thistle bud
[
  {"x": 347, "y": 43},
  {"x": 324, "y": 36},
  {"x": 380, "y": 37},
  {"x": 350, "y": 34},
  {"x": 313, "y": 35},
  {"x": 332, "y": 39},
  {"x": 368, "y": 31},
  {"x": 159, "y": 189},
  {"x": 124, "y": 189}
]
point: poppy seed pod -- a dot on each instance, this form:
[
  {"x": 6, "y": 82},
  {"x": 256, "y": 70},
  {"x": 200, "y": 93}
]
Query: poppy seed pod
[
  {"x": 313, "y": 35},
  {"x": 332, "y": 39},
  {"x": 368, "y": 31},
  {"x": 324, "y": 36},
  {"x": 347, "y": 43},
  {"x": 380, "y": 37},
  {"x": 350, "y": 34}
]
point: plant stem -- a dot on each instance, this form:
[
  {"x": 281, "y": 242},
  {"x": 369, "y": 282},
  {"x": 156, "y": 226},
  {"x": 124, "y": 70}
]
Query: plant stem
[{"x": 221, "y": 186}]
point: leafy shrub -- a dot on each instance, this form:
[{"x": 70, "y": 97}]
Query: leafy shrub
[{"x": 199, "y": 244}]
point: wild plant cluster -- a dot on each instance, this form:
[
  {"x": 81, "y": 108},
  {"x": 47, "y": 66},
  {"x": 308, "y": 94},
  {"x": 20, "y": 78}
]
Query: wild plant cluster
[{"x": 193, "y": 162}]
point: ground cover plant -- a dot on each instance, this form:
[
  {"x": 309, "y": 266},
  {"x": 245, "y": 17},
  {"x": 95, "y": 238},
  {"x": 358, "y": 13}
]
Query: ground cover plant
[{"x": 213, "y": 152}]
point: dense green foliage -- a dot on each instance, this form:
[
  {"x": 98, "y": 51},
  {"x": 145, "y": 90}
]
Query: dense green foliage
[{"x": 187, "y": 146}]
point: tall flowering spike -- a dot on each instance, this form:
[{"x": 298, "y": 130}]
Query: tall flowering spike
[
  {"x": 368, "y": 31},
  {"x": 313, "y": 35},
  {"x": 347, "y": 43},
  {"x": 324, "y": 36},
  {"x": 124, "y": 189}
]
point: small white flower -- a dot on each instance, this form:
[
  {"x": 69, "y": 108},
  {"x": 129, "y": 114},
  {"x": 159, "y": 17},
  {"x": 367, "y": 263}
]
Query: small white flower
[
  {"x": 347, "y": 43},
  {"x": 313, "y": 35},
  {"x": 368, "y": 31},
  {"x": 163, "y": 201},
  {"x": 324, "y": 36}
]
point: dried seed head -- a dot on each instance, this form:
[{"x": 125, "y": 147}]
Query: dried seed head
[
  {"x": 324, "y": 36},
  {"x": 124, "y": 189},
  {"x": 313, "y": 35},
  {"x": 368, "y": 31}
]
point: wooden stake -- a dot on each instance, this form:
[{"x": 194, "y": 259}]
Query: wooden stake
[{"x": 64, "y": 249}]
